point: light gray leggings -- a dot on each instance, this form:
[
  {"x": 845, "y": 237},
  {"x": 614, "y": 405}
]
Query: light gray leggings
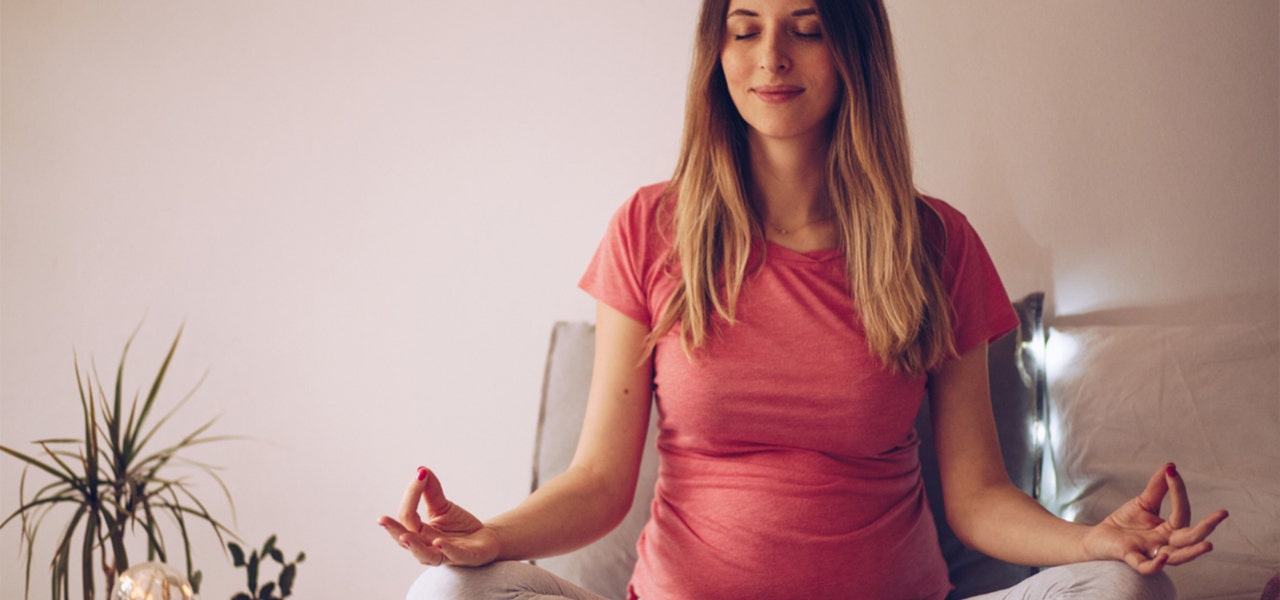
[{"x": 1102, "y": 580}]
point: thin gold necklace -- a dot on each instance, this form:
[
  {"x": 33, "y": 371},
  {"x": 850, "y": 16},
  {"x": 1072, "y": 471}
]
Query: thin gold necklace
[{"x": 786, "y": 231}]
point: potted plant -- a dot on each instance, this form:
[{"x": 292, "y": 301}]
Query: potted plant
[{"x": 111, "y": 482}]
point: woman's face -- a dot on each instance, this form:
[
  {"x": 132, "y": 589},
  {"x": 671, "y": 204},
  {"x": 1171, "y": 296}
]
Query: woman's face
[{"x": 780, "y": 73}]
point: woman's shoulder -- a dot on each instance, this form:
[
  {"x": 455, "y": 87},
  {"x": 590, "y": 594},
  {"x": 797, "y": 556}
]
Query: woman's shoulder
[
  {"x": 943, "y": 225},
  {"x": 949, "y": 215},
  {"x": 648, "y": 209},
  {"x": 648, "y": 199},
  {"x": 653, "y": 192}
]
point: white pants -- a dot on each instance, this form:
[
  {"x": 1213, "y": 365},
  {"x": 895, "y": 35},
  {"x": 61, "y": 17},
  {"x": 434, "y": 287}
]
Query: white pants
[{"x": 1102, "y": 580}]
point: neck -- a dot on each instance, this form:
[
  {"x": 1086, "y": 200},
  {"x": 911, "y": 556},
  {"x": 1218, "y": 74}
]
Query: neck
[{"x": 789, "y": 180}]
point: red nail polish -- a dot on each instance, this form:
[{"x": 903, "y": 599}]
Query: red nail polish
[
  {"x": 422, "y": 473},
  {"x": 1171, "y": 470}
]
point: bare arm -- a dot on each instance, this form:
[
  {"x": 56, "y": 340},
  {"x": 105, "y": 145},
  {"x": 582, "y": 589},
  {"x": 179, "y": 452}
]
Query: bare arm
[
  {"x": 576, "y": 507},
  {"x": 593, "y": 495},
  {"x": 991, "y": 515}
]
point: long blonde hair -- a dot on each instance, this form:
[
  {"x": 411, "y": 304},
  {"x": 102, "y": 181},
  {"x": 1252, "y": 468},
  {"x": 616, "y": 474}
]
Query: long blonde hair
[{"x": 893, "y": 276}]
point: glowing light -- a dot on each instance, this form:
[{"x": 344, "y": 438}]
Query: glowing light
[
  {"x": 152, "y": 581},
  {"x": 1059, "y": 353}
]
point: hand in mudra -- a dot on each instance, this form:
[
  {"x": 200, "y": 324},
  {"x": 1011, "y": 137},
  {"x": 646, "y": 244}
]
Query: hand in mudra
[
  {"x": 1136, "y": 534},
  {"x": 449, "y": 536}
]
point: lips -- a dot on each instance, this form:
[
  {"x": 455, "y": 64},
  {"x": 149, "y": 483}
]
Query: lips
[{"x": 777, "y": 94}]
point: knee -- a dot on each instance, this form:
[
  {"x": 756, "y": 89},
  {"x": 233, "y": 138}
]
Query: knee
[
  {"x": 1113, "y": 579},
  {"x": 463, "y": 583},
  {"x": 1148, "y": 587}
]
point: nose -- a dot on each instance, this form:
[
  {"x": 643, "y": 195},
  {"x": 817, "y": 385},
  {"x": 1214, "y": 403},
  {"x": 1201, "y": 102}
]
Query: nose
[{"x": 774, "y": 57}]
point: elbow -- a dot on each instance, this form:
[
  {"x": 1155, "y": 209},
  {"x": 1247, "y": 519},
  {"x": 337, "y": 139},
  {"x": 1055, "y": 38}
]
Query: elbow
[
  {"x": 973, "y": 512},
  {"x": 962, "y": 523},
  {"x": 610, "y": 496},
  {"x": 969, "y": 508}
]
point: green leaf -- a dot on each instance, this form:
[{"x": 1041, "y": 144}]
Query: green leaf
[
  {"x": 269, "y": 545},
  {"x": 195, "y": 580},
  {"x": 252, "y": 569},
  {"x": 286, "y": 580},
  {"x": 151, "y": 396},
  {"x": 301, "y": 557},
  {"x": 36, "y": 463},
  {"x": 242, "y": 596},
  {"x": 277, "y": 555},
  {"x": 113, "y": 418},
  {"x": 267, "y": 592},
  {"x": 237, "y": 555},
  {"x": 164, "y": 419}
]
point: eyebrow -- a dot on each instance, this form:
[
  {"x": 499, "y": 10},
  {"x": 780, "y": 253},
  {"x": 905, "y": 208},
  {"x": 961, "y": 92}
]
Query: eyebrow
[{"x": 742, "y": 12}]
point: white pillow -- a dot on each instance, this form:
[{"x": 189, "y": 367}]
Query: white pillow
[{"x": 1123, "y": 400}]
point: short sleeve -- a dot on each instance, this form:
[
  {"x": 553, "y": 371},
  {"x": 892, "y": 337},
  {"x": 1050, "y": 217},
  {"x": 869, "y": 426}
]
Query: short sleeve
[
  {"x": 981, "y": 308},
  {"x": 621, "y": 272}
]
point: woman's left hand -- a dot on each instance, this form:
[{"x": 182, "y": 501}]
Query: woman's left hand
[{"x": 1136, "y": 534}]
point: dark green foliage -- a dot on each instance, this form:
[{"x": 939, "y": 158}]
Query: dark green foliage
[
  {"x": 253, "y": 570},
  {"x": 110, "y": 487}
]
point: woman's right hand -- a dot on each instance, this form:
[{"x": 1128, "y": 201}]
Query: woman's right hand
[{"x": 449, "y": 536}]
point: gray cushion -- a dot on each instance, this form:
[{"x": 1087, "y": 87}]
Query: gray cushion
[{"x": 605, "y": 566}]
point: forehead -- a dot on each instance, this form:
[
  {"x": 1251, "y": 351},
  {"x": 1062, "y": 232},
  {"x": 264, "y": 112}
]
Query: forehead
[{"x": 747, "y": 8}]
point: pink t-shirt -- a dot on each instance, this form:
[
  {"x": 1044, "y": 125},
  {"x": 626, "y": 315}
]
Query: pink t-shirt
[{"x": 789, "y": 466}]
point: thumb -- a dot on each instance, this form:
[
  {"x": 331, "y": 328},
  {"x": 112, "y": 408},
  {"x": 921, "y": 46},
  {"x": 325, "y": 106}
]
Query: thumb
[{"x": 464, "y": 552}]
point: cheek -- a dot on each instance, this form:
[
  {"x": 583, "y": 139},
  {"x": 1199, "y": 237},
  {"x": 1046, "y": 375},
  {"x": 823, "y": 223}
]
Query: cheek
[{"x": 736, "y": 70}]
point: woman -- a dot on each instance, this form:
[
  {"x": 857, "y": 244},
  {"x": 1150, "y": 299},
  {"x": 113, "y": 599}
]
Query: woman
[{"x": 789, "y": 295}]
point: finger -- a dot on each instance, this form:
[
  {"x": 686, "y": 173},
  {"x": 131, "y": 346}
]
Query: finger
[
  {"x": 1187, "y": 537},
  {"x": 409, "y": 504},
  {"x": 396, "y": 529},
  {"x": 453, "y": 552},
  {"x": 1144, "y": 564},
  {"x": 433, "y": 493},
  {"x": 392, "y": 527},
  {"x": 1153, "y": 495},
  {"x": 1180, "y": 515},
  {"x": 463, "y": 551},
  {"x": 408, "y": 540},
  {"x": 421, "y": 550},
  {"x": 1187, "y": 554}
]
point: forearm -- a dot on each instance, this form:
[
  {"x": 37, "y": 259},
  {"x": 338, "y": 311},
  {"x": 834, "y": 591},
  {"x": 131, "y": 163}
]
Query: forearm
[
  {"x": 572, "y": 510},
  {"x": 1003, "y": 522}
]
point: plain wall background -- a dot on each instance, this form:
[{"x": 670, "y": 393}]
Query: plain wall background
[{"x": 369, "y": 215}]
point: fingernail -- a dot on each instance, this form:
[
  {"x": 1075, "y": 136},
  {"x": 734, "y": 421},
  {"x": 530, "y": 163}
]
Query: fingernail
[
  {"x": 422, "y": 473},
  {"x": 405, "y": 544},
  {"x": 1171, "y": 470}
]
